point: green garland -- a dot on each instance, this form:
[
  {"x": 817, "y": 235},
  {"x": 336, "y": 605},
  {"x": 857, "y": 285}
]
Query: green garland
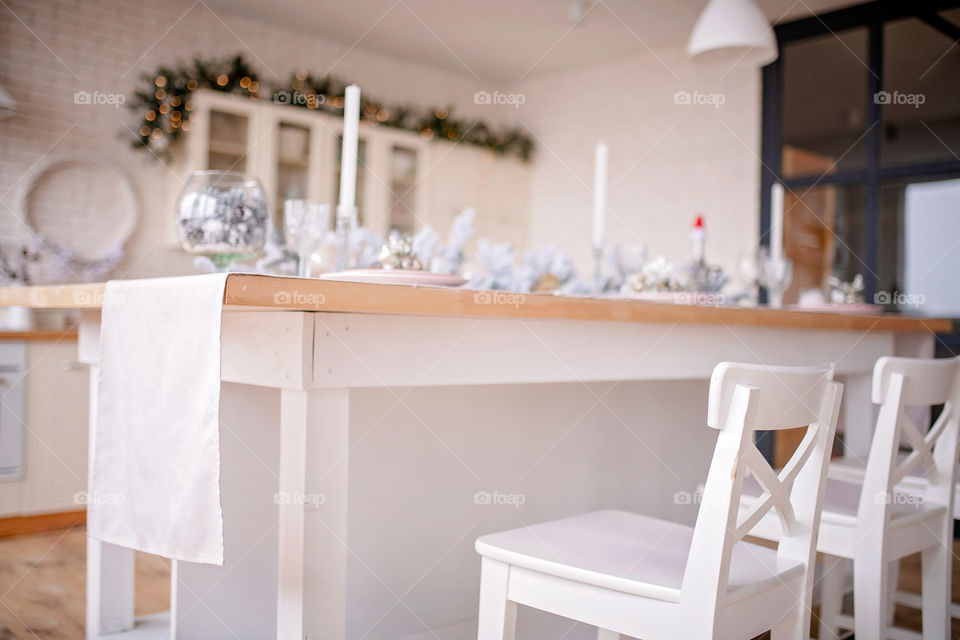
[{"x": 165, "y": 107}]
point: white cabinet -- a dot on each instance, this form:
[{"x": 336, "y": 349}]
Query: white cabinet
[
  {"x": 55, "y": 433},
  {"x": 403, "y": 181}
]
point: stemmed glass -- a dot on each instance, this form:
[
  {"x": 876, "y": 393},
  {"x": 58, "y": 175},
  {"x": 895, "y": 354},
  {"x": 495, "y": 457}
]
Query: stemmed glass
[
  {"x": 305, "y": 224},
  {"x": 776, "y": 274},
  {"x": 748, "y": 270}
]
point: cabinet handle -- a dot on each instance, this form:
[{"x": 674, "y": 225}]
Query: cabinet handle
[{"x": 72, "y": 365}]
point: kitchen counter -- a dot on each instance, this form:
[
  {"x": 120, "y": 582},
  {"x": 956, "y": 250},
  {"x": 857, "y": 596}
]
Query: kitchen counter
[
  {"x": 252, "y": 292},
  {"x": 407, "y": 414},
  {"x": 38, "y": 335}
]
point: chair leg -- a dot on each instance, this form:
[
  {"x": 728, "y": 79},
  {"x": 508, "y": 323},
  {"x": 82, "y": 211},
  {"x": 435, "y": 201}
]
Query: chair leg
[
  {"x": 606, "y": 634},
  {"x": 893, "y": 578},
  {"x": 831, "y": 597},
  {"x": 870, "y": 598},
  {"x": 788, "y": 629},
  {"x": 935, "y": 572},
  {"x": 498, "y": 616}
]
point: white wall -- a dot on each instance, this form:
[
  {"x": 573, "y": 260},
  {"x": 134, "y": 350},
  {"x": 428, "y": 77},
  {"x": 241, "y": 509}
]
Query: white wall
[
  {"x": 104, "y": 45},
  {"x": 668, "y": 161}
]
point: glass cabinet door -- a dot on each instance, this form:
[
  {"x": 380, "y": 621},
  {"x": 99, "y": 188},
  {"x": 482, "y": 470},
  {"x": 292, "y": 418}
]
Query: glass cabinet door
[
  {"x": 293, "y": 164},
  {"x": 227, "y": 146},
  {"x": 403, "y": 179}
]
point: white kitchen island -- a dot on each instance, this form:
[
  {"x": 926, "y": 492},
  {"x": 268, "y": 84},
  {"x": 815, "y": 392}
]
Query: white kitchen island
[{"x": 369, "y": 433}]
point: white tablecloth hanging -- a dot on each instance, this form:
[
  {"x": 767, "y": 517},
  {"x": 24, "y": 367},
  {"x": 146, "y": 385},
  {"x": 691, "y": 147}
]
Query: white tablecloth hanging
[{"x": 155, "y": 473}]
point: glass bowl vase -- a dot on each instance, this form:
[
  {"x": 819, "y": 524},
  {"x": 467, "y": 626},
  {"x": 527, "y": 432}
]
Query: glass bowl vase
[{"x": 222, "y": 215}]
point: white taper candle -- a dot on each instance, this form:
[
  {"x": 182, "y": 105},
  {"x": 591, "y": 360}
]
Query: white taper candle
[
  {"x": 776, "y": 220},
  {"x": 599, "y": 194},
  {"x": 348, "y": 156}
]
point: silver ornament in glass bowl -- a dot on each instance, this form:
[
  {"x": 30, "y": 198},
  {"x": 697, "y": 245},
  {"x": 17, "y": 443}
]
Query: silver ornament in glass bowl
[{"x": 222, "y": 215}]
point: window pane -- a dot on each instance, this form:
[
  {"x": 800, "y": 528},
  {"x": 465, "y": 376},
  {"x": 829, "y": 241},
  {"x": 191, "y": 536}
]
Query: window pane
[
  {"x": 403, "y": 179},
  {"x": 823, "y": 236},
  {"x": 228, "y": 142},
  {"x": 921, "y": 96},
  {"x": 920, "y": 247},
  {"x": 824, "y": 103},
  {"x": 293, "y": 162}
]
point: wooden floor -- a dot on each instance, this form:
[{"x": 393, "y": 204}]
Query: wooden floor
[
  {"x": 42, "y": 580},
  {"x": 42, "y": 586}
]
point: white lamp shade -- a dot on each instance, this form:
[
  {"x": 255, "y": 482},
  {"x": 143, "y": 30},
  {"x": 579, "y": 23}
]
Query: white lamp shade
[{"x": 733, "y": 31}]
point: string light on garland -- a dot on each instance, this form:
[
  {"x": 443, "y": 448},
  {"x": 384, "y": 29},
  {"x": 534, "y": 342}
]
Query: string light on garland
[{"x": 166, "y": 107}]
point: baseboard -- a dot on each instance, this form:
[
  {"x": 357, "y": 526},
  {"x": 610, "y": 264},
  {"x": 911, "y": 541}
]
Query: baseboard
[{"x": 21, "y": 525}]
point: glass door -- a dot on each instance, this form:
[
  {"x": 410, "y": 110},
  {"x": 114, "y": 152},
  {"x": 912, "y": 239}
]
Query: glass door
[
  {"x": 227, "y": 145},
  {"x": 293, "y": 165},
  {"x": 402, "y": 196}
]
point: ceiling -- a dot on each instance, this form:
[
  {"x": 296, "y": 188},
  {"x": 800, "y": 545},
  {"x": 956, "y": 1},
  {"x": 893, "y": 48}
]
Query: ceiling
[{"x": 502, "y": 40}]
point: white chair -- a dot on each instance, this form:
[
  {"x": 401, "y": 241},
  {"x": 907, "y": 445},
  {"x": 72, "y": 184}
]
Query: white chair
[
  {"x": 852, "y": 469},
  {"x": 875, "y": 523},
  {"x": 647, "y": 578}
]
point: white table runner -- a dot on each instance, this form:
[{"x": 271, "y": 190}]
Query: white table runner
[{"x": 155, "y": 473}]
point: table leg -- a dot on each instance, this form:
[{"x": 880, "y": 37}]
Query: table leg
[
  {"x": 110, "y": 569},
  {"x": 238, "y": 600},
  {"x": 312, "y": 569},
  {"x": 857, "y": 416}
]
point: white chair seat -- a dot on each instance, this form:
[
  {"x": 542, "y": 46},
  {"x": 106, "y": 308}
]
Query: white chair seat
[
  {"x": 627, "y": 552},
  {"x": 841, "y": 500},
  {"x": 852, "y": 470}
]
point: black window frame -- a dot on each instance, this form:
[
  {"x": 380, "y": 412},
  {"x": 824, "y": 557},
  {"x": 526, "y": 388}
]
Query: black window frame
[{"x": 872, "y": 16}]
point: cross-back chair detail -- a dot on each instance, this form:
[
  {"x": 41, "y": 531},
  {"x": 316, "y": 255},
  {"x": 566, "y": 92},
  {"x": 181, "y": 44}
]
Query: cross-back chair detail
[{"x": 743, "y": 399}]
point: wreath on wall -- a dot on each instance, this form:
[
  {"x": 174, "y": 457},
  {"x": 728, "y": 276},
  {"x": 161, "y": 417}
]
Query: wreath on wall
[{"x": 165, "y": 106}]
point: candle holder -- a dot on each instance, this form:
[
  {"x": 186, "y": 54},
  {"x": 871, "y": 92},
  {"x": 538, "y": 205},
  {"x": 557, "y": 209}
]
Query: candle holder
[
  {"x": 599, "y": 280},
  {"x": 346, "y": 223}
]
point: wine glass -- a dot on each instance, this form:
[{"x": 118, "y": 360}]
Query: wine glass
[
  {"x": 305, "y": 224},
  {"x": 748, "y": 272},
  {"x": 776, "y": 274}
]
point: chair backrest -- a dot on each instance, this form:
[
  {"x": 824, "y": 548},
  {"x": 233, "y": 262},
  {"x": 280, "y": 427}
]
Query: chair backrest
[
  {"x": 744, "y": 398},
  {"x": 899, "y": 383}
]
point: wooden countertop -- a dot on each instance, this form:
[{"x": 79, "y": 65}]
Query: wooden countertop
[
  {"x": 259, "y": 292},
  {"x": 38, "y": 335}
]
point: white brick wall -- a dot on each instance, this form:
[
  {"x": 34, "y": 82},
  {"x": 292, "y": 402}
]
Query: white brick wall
[
  {"x": 104, "y": 45},
  {"x": 667, "y": 161}
]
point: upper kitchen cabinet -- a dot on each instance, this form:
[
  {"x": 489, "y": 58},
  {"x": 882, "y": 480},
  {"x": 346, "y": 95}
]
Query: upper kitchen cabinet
[{"x": 403, "y": 181}]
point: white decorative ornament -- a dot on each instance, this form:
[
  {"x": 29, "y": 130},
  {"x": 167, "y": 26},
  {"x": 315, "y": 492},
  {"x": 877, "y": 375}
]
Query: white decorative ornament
[{"x": 83, "y": 211}]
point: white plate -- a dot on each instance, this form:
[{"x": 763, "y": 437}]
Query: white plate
[
  {"x": 397, "y": 276},
  {"x": 861, "y": 308},
  {"x": 675, "y": 297}
]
